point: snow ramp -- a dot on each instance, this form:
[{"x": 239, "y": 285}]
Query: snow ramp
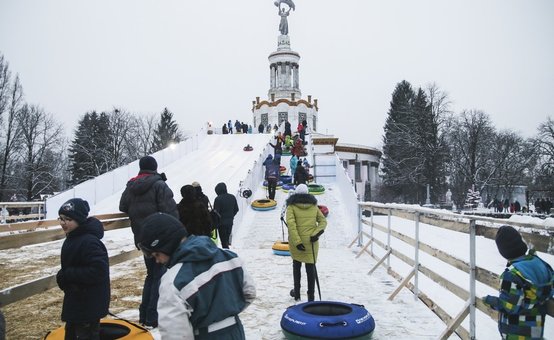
[{"x": 207, "y": 160}]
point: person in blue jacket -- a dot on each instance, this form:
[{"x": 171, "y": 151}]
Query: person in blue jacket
[
  {"x": 526, "y": 286},
  {"x": 205, "y": 287},
  {"x": 84, "y": 276}
]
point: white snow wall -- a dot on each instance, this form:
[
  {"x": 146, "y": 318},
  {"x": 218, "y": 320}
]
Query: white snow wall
[{"x": 109, "y": 183}]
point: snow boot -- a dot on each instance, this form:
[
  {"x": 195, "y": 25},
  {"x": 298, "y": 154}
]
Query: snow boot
[{"x": 295, "y": 295}]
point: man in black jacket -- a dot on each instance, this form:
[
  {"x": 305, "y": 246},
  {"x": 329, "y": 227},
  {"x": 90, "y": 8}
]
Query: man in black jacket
[
  {"x": 226, "y": 205},
  {"x": 145, "y": 194}
]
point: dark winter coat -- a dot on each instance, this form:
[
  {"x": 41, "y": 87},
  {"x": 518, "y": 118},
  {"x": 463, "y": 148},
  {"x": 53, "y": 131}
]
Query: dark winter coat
[
  {"x": 144, "y": 195},
  {"x": 272, "y": 170},
  {"x": 278, "y": 147},
  {"x": 225, "y": 204},
  {"x": 195, "y": 217},
  {"x": 85, "y": 274},
  {"x": 261, "y": 128},
  {"x": 300, "y": 175},
  {"x": 304, "y": 219},
  {"x": 288, "y": 131}
]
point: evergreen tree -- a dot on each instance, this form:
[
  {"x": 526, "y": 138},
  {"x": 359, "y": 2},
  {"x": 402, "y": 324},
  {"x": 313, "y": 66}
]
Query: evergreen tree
[
  {"x": 89, "y": 153},
  {"x": 414, "y": 153},
  {"x": 166, "y": 132},
  {"x": 395, "y": 151}
]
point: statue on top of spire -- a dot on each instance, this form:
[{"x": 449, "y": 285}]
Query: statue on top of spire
[{"x": 284, "y": 13}]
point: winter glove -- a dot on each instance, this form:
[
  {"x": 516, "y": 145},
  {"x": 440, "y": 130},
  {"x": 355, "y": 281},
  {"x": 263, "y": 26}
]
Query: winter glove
[
  {"x": 60, "y": 279},
  {"x": 315, "y": 237},
  {"x": 491, "y": 301},
  {"x": 301, "y": 247}
]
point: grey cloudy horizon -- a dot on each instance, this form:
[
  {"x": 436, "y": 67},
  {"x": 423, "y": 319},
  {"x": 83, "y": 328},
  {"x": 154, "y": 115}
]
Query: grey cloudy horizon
[{"x": 207, "y": 60}]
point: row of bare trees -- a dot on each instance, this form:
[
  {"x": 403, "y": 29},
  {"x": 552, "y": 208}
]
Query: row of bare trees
[
  {"x": 37, "y": 158},
  {"x": 425, "y": 143}
]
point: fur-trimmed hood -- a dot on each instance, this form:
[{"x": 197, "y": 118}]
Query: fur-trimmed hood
[{"x": 306, "y": 199}]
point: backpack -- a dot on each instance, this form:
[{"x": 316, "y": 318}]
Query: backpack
[{"x": 215, "y": 216}]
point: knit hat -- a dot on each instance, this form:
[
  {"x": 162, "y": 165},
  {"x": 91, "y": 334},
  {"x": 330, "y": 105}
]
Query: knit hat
[
  {"x": 75, "y": 208},
  {"x": 301, "y": 189},
  {"x": 161, "y": 233},
  {"x": 195, "y": 184},
  {"x": 148, "y": 163},
  {"x": 509, "y": 243}
]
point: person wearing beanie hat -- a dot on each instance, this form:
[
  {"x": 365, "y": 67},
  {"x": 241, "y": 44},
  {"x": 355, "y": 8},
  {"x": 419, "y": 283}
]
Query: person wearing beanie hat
[
  {"x": 526, "y": 286},
  {"x": 509, "y": 242},
  {"x": 146, "y": 194},
  {"x": 305, "y": 224},
  {"x": 84, "y": 276},
  {"x": 148, "y": 163},
  {"x": 301, "y": 189},
  {"x": 204, "y": 288},
  {"x": 76, "y": 209},
  {"x": 161, "y": 233}
]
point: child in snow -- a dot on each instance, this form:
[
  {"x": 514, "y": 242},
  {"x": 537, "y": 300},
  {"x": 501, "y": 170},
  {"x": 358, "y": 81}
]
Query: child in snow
[
  {"x": 526, "y": 286},
  {"x": 84, "y": 276}
]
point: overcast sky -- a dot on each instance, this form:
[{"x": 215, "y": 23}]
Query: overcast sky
[{"x": 207, "y": 60}]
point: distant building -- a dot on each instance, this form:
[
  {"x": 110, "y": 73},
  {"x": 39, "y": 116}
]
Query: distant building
[{"x": 285, "y": 102}]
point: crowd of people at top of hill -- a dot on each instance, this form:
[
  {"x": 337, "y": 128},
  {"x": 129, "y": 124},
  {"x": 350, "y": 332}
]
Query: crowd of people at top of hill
[
  {"x": 237, "y": 127},
  {"x": 542, "y": 206},
  {"x": 241, "y": 127}
]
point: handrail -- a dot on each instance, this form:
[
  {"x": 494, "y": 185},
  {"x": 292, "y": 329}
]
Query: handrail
[{"x": 540, "y": 238}]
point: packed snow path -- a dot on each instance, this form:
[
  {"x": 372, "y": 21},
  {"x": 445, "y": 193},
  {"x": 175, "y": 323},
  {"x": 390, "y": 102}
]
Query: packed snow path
[{"x": 341, "y": 276}]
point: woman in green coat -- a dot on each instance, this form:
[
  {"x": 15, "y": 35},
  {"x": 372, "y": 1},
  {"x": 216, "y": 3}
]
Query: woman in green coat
[{"x": 305, "y": 224}]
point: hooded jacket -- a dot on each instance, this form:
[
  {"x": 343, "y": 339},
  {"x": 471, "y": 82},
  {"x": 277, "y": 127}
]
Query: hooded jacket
[
  {"x": 225, "y": 204},
  {"x": 526, "y": 285},
  {"x": 204, "y": 284},
  {"x": 304, "y": 219},
  {"x": 144, "y": 195},
  {"x": 85, "y": 273}
]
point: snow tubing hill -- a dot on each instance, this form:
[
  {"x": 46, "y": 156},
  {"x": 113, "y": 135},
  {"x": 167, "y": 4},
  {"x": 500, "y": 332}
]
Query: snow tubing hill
[
  {"x": 327, "y": 320},
  {"x": 264, "y": 204},
  {"x": 110, "y": 329},
  {"x": 281, "y": 248}
]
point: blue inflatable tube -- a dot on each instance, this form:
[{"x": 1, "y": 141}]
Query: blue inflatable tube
[
  {"x": 327, "y": 320},
  {"x": 287, "y": 187},
  {"x": 285, "y": 179}
]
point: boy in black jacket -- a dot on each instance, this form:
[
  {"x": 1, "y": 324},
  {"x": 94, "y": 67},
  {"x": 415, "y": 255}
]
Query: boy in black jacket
[{"x": 85, "y": 273}]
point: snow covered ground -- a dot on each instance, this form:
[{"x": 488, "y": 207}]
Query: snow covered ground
[{"x": 342, "y": 276}]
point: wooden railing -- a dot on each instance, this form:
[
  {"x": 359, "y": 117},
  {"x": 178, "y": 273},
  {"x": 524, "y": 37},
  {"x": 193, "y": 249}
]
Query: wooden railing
[
  {"x": 27, "y": 233},
  {"x": 539, "y": 236},
  {"x": 5, "y": 217}
]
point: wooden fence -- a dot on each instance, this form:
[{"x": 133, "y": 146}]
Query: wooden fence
[
  {"x": 27, "y": 233},
  {"x": 538, "y": 235},
  {"x": 7, "y": 206}
]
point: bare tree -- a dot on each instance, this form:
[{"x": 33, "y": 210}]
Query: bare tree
[
  {"x": 120, "y": 130},
  {"x": 544, "y": 143},
  {"x": 41, "y": 137},
  {"x": 470, "y": 137},
  {"x": 10, "y": 132},
  {"x": 139, "y": 140},
  {"x": 5, "y": 78}
]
